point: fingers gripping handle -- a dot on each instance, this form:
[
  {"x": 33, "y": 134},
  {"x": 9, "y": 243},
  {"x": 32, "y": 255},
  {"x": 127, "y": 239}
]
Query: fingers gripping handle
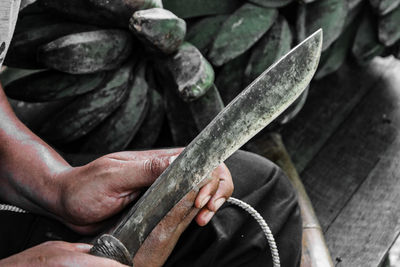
[{"x": 110, "y": 247}]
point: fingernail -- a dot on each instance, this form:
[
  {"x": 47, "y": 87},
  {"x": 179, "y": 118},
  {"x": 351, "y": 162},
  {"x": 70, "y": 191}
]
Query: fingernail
[
  {"x": 171, "y": 159},
  {"x": 205, "y": 201},
  {"x": 218, "y": 203},
  {"x": 208, "y": 216}
]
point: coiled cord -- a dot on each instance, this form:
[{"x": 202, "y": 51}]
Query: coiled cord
[
  {"x": 4, "y": 207},
  {"x": 264, "y": 226}
]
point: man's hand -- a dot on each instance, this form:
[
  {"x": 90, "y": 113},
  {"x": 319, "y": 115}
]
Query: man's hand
[
  {"x": 91, "y": 194},
  {"x": 162, "y": 240},
  {"x": 58, "y": 254}
]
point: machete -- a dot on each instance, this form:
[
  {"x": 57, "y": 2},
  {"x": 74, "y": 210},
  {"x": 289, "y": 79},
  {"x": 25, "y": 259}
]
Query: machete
[{"x": 252, "y": 110}]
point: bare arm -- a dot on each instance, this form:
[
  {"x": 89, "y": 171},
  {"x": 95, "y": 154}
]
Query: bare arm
[
  {"x": 35, "y": 177},
  {"x": 28, "y": 165}
]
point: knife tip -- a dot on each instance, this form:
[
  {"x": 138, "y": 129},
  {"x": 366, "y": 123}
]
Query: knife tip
[
  {"x": 318, "y": 34},
  {"x": 317, "y": 39}
]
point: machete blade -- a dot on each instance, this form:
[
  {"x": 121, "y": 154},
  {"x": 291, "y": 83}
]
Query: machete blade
[{"x": 257, "y": 106}]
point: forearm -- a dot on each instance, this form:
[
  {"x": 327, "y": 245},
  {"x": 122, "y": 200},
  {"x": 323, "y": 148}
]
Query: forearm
[{"x": 28, "y": 166}]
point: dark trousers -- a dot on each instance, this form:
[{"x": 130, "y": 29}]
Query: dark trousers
[{"x": 232, "y": 238}]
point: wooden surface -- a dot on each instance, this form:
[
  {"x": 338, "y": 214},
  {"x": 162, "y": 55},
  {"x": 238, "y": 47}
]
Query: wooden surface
[
  {"x": 330, "y": 101},
  {"x": 346, "y": 143}
]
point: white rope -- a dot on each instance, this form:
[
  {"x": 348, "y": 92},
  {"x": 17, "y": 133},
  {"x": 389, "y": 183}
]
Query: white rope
[
  {"x": 4, "y": 207},
  {"x": 264, "y": 226}
]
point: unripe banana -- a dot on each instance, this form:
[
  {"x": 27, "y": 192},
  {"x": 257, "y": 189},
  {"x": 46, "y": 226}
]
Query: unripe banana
[
  {"x": 28, "y": 22},
  {"x": 334, "y": 57},
  {"x": 383, "y": 7},
  {"x": 180, "y": 120},
  {"x": 271, "y": 3},
  {"x": 354, "y": 8},
  {"x": 230, "y": 79},
  {"x": 26, "y": 42},
  {"x": 330, "y": 15},
  {"x": 34, "y": 115},
  {"x": 206, "y": 108},
  {"x": 270, "y": 48},
  {"x": 159, "y": 29},
  {"x": 188, "y": 72},
  {"x": 115, "y": 133},
  {"x": 197, "y": 8},
  {"x": 120, "y": 11},
  {"x": 87, "y": 52},
  {"x": 151, "y": 126},
  {"x": 240, "y": 31},
  {"x": 53, "y": 85},
  {"x": 389, "y": 28},
  {"x": 87, "y": 111},
  {"x": 203, "y": 32},
  {"x": 9, "y": 75},
  {"x": 76, "y": 10},
  {"x": 366, "y": 44}
]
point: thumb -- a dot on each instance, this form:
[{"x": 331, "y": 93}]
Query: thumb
[
  {"x": 141, "y": 169},
  {"x": 150, "y": 169}
]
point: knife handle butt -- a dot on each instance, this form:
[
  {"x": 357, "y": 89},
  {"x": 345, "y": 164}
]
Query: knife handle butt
[{"x": 107, "y": 246}]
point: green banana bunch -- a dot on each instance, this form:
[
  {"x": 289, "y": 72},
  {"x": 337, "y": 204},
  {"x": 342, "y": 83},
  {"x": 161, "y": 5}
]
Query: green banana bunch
[{"x": 115, "y": 75}]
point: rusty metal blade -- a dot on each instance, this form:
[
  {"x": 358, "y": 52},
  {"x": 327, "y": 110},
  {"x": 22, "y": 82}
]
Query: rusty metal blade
[{"x": 257, "y": 106}]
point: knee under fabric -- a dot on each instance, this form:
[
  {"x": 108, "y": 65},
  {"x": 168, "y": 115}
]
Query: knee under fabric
[{"x": 232, "y": 238}]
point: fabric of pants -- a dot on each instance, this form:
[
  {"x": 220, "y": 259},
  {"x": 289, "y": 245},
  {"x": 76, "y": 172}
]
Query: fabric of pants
[{"x": 232, "y": 238}]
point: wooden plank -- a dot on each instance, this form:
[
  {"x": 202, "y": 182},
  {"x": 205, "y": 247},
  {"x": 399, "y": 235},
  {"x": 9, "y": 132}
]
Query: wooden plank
[
  {"x": 363, "y": 232},
  {"x": 346, "y": 160},
  {"x": 364, "y": 146},
  {"x": 330, "y": 101}
]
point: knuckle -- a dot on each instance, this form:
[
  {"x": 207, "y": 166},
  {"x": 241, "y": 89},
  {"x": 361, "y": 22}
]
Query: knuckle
[
  {"x": 154, "y": 166},
  {"x": 147, "y": 166}
]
